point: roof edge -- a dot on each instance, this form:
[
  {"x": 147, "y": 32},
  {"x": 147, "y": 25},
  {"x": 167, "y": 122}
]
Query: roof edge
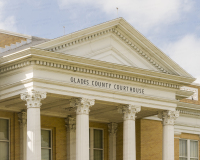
[{"x": 15, "y": 34}]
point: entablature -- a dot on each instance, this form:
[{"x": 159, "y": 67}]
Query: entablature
[{"x": 33, "y": 56}]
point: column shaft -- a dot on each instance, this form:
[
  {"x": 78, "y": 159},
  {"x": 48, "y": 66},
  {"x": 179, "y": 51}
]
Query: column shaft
[
  {"x": 33, "y": 99},
  {"x": 33, "y": 134},
  {"x": 82, "y": 137},
  {"x": 129, "y": 150},
  {"x": 168, "y": 118},
  {"x": 168, "y": 142},
  {"x": 129, "y": 143},
  {"x": 82, "y": 106}
]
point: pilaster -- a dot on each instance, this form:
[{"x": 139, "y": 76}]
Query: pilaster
[
  {"x": 112, "y": 130},
  {"x": 71, "y": 137},
  {"x": 22, "y": 116}
]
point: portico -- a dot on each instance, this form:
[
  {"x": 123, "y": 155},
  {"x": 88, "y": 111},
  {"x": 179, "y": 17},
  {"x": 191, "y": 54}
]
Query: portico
[{"x": 107, "y": 74}]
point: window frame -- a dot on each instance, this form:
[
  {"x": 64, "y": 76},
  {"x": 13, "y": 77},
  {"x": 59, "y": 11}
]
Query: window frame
[
  {"x": 188, "y": 148},
  {"x": 8, "y": 136},
  {"x": 91, "y": 139},
  {"x": 51, "y": 137}
]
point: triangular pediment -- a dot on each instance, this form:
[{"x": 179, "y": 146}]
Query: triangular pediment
[{"x": 115, "y": 42}]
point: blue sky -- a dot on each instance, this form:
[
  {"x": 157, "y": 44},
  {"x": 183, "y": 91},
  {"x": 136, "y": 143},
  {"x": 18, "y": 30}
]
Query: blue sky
[{"x": 172, "y": 25}]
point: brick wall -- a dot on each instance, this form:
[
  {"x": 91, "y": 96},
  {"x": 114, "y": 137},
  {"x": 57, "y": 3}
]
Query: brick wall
[
  {"x": 6, "y": 39},
  {"x": 184, "y": 136}
]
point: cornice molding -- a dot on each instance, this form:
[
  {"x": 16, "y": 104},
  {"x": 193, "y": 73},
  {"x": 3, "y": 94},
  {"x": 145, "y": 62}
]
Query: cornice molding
[
  {"x": 192, "y": 113},
  {"x": 89, "y": 71}
]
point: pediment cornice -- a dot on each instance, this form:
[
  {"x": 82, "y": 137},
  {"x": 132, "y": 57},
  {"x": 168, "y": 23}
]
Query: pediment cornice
[
  {"x": 114, "y": 30},
  {"x": 127, "y": 34}
]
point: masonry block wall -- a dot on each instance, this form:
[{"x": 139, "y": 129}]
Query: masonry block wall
[
  {"x": 151, "y": 139},
  {"x": 6, "y": 39}
]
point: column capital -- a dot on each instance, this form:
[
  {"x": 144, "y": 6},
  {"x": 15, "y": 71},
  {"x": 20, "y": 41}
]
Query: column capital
[
  {"x": 70, "y": 123},
  {"x": 33, "y": 98},
  {"x": 22, "y": 118},
  {"x": 168, "y": 117},
  {"x": 82, "y": 105},
  {"x": 129, "y": 111},
  {"x": 112, "y": 128}
]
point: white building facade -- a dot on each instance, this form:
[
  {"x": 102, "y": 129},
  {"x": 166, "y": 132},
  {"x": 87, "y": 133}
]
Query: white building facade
[{"x": 108, "y": 74}]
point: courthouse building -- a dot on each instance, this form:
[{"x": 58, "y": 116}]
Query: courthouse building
[{"x": 101, "y": 93}]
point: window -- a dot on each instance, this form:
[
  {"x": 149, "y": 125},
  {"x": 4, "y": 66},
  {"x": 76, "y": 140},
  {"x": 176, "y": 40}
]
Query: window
[
  {"x": 46, "y": 144},
  {"x": 96, "y": 144},
  {"x": 188, "y": 149},
  {"x": 4, "y": 139}
]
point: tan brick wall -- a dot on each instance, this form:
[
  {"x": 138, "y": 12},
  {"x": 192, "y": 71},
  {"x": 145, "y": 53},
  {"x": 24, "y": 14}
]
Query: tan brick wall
[
  {"x": 14, "y": 134},
  {"x": 176, "y": 147},
  {"x": 6, "y": 39},
  {"x": 148, "y": 140},
  {"x": 151, "y": 140}
]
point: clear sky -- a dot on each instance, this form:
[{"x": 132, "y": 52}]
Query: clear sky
[{"x": 172, "y": 25}]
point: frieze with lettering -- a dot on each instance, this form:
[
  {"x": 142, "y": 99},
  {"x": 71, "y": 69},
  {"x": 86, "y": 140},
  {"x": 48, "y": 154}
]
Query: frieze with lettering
[{"x": 107, "y": 85}]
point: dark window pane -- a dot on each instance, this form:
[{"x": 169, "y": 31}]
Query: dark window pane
[
  {"x": 98, "y": 155},
  {"x": 4, "y": 150},
  {"x": 46, "y": 138},
  {"x": 183, "y": 148},
  {"x": 46, "y": 154},
  {"x": 98, "y": 138},
  {"x": 194, "y": 149},
  {"x": 4, "y": 129}
]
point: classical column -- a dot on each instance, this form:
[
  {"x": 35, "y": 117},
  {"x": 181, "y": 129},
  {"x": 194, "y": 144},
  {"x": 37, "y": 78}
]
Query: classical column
[
  {"x": 82, "y": 106},
  {"x": 129, "y": 144},
  {"x": 168, "y": 118},
  {"x": 71, "y": 137},
  {"x": 33, "y": 99},
  {"x": 23, "y": 136},
  {"x": 112, "y": 129}
]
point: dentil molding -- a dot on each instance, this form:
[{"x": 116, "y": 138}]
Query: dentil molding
[{"x": 88, "y": 71}]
